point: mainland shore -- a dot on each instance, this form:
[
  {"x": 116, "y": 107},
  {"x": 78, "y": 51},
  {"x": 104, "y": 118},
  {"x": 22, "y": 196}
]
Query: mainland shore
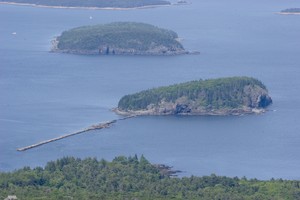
[
  {"x": 288, "y": 13},
  {"x": 86, "y": 8}
]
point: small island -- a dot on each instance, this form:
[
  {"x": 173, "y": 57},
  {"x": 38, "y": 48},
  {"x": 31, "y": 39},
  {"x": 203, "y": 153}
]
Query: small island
[
  {"x": 290, "y": 11},
  {"x": 90, "y": 4},
  {"x": 119, "y": 38},
  {"x": 222, "y": 96}
]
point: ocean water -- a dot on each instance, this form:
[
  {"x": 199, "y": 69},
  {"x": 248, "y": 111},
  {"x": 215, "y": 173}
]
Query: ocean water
[{"x": 45, "y": 95}]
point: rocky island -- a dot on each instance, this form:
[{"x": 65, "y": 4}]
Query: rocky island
[
  {"x": 222, "y": 96},
  {"x": 290, "y": 11},
  {"x": 92, "y": 4},
  {"x": 119, "y": 38}
]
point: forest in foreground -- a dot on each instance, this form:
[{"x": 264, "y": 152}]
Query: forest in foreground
[{"x": 133, "y": 178}]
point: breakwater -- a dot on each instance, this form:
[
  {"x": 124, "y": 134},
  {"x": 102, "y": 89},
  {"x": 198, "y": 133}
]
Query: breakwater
[{"x": 90, "y": 128}]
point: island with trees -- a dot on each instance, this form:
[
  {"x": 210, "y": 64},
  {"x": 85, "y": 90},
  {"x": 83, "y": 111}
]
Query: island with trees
[
  {"x": 92, "y": 4},
  {"x": 222, "y": 96},
  {"x": 133, "y": 178},
  {"x": 119, "y": 38},
  {"x": 291, "y": 11}
]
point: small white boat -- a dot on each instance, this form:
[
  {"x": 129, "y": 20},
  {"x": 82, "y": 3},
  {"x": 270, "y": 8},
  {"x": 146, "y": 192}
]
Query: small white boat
[
  {"x": 91, "y": 17},
  {"x": 14, "y": 33}
]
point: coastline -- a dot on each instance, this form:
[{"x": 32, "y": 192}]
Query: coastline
[
  {"x": 288, "y": 13},
  {"x": 125, "y": 52},
  {"x": 223, "y": 112},
  {"x": 82, "y": 7}
]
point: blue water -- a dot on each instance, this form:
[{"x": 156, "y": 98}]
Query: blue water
[{"x": 45, "y": 95}]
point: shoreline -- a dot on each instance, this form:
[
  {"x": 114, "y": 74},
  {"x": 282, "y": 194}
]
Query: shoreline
[
  {"x": 288, "y": 13},
  {"x": 54, "y": 49},
  {"x": 95, "y": 53},
  {"x": 82, "y": 7},
  {"x": 233, "y": 112}
]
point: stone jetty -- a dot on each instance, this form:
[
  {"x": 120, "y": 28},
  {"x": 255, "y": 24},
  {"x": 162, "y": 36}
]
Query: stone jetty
[{"x": 91, "y": 128}]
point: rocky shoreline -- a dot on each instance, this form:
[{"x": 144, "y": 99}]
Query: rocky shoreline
[
  {"x": 220, "y": 112},
  {"x": 167, "y": 170},
  {"x": 105, "y": 50}
]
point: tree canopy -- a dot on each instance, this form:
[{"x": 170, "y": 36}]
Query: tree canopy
[{"x": 132, "y": 178}]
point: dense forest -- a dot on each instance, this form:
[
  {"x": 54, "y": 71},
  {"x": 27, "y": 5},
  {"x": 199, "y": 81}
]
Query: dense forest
[
  {"x": 291, "y": 10},
  {"x": 232, "y": 92},
  {"x": 119, "y": 38},
  {"x": 93, "y": 3},
  {"x": 132, "y": 178}
]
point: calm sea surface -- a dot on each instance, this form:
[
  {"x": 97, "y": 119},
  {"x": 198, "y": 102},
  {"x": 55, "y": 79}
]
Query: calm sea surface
[{"x": 45, "y": 95}]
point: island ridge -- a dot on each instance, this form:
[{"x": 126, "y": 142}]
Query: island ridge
[
  {"x": 119, "y": 38},
  {"x": 222, "y": 96}
]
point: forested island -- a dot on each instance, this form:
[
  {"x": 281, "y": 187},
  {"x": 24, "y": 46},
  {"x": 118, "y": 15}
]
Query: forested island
[
  {"x": 111, "y": 4},
  {"x": 133, "y": 178},
  {"x": 290, "y": 11},
  {"x": 119, "y": 38},
  {"x": 222, "y": 96}
]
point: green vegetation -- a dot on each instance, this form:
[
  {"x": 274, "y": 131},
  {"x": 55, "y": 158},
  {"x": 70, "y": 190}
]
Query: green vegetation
[
  {"x": 132, "y": 178},
  {"x": 291, "y": 10},
  {"x": 229, "y": 93},
  {"x": 119, "y": 38},
  {"x": 93, "y": 3}
]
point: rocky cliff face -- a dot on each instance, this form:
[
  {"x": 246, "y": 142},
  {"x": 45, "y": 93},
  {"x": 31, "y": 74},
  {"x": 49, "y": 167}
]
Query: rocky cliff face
[
  {"x": 256, "y": 97},
  {"x": 254, "y": 100}
]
